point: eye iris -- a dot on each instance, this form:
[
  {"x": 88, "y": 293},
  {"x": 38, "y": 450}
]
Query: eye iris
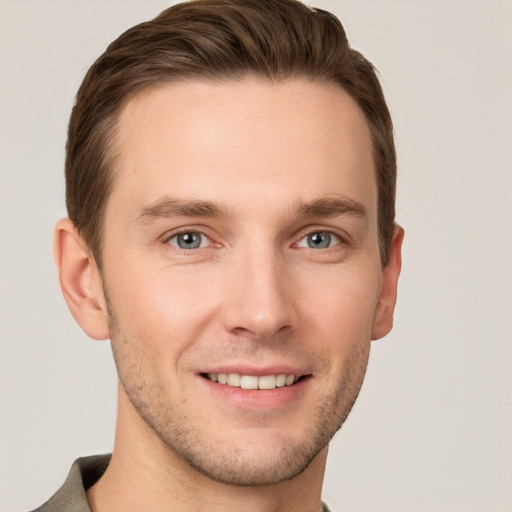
[
  {"x": 189, "y": 240},
  {"x": 319, "y": 240}
]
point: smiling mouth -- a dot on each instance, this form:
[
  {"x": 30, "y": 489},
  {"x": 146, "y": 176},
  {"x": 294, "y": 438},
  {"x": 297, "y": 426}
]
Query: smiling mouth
[{"x": 237, "y": 380}]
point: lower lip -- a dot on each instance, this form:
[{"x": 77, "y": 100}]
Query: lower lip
[{"x": 257, "y": 399}]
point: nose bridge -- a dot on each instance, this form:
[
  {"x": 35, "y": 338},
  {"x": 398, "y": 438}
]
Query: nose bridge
[{"x": 259, "y": 293}]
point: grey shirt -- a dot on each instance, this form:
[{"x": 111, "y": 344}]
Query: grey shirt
[
  {"x": 84, "y": 473},
  {"x": 72, "y": 497}
]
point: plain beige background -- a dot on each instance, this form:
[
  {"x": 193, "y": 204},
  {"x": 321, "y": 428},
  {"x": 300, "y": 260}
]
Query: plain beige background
[{"x": 432, "y": 430}]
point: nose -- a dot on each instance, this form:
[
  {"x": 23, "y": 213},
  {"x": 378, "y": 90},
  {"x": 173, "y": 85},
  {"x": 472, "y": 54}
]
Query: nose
[{"x": 259, "y": 296}]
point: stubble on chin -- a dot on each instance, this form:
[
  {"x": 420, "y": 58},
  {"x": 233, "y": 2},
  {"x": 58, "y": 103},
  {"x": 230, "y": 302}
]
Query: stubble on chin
[{"x": 224, "y": 461}]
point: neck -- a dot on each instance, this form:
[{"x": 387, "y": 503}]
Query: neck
[{"x": 145, "y": 474}]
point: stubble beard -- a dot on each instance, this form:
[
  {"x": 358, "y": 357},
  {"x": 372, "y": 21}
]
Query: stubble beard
[{"x": 225, "y": 463}]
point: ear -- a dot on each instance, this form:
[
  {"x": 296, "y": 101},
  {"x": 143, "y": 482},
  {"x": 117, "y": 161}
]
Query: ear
[
  {"x": 80, "y": 281},
  {"x": 383, "y": 319}
]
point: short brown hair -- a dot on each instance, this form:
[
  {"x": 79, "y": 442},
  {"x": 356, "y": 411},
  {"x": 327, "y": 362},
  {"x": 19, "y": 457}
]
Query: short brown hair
[{"x": 217, "y": 39}]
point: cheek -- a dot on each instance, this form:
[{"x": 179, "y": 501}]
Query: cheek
[
  {"x": 342, "y": 304},
  {"x": 162, "y": 305}
]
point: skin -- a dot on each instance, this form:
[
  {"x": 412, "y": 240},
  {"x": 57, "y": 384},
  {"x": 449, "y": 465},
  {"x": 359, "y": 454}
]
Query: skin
[{"x": 256, "y": 170}]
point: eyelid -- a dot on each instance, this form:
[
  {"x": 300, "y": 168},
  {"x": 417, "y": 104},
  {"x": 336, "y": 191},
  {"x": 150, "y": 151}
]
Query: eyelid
[
  {"x": 344, "y": 237},
  {"x": 201, "y": 235},
  {"x": 188, "y": 229},
  {"x": 337, "y": 240}
]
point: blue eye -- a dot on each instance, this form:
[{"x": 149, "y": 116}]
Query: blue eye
[
  {"x": 189, "y": 240},
  {"x": 319, "y": 240}
]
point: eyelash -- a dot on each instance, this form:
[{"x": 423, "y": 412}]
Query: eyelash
[
  {"x": 331, "y": 234},
  {"x": 340, "y": 240},
  {"x": 188, "y": 232}
]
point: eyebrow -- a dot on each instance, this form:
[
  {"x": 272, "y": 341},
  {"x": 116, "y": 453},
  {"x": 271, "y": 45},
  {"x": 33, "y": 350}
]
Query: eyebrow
[
  {"x": 331, "y": 207},
  {"x": 168, "y": 207}
]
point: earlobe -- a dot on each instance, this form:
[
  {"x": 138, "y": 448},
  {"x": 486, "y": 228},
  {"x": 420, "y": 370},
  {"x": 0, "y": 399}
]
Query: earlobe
[
  {"x": 80, "y": 280},
  {"x": 383, "y": 319}
]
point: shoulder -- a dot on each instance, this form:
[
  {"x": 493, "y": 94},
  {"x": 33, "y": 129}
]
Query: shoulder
[{"x": 72, "y": 496}]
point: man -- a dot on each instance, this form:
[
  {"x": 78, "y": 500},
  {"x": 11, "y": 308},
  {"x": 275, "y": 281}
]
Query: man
[{"x": 230, "y": 182}]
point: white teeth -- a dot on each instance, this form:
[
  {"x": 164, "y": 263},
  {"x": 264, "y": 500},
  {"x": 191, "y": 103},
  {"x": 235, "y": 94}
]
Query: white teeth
[
  {"x": 267, "y": 382},
  {"x": 281, "y": 380},
  {"x": 251, "y": 381},
  {"x": 234, "y": 380}
]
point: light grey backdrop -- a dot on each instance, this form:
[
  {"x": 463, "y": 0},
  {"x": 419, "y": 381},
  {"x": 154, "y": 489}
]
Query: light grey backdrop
[{"x": 432, "y": 430}]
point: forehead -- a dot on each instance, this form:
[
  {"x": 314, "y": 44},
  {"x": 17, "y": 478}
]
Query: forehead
[{"x": 240, "y": 140}]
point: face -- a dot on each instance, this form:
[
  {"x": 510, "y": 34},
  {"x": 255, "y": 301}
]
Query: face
[{"x": 241, "y": 269}]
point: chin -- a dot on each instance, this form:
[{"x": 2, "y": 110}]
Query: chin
[
  {"x": 268, "y": 463},
  {"x": 257, "y": 457}
]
